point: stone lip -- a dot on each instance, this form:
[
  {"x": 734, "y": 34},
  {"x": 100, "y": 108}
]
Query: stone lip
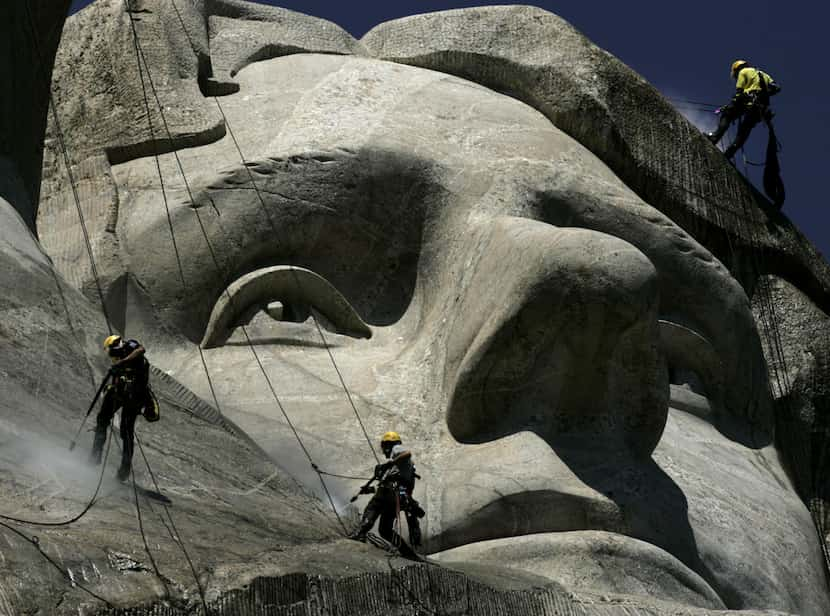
[{"x": 605, "y": 562}]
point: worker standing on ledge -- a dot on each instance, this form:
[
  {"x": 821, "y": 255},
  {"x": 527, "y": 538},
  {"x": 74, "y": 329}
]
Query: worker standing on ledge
[
  {"x": 750, "y": 104},
  {"x": 129, "y": 391},
  {"x": 396, "y": 481}
]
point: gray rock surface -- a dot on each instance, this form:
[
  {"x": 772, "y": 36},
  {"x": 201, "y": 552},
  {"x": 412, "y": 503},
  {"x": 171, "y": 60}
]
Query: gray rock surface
[
  {"x": 186, "y": 48},
  {"x": 797, "y": 347},
  {"x": 453, "y": 212},
  {"x": 580, "y": 378},
  {"x": 593, "y": 561},
  {"x": 31, "y": 37},
  {"x": 243, "y": 32},
  {"x": 542, "y": 60}
]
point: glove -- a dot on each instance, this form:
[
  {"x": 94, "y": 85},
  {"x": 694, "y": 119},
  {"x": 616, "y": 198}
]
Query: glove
[
  {"x": 381, "y": 468},
  {"x": 740, "y": 98}
]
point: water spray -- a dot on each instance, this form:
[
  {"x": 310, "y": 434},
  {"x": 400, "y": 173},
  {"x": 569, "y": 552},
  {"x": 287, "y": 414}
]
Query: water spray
[{"x": 89, "y": 410}]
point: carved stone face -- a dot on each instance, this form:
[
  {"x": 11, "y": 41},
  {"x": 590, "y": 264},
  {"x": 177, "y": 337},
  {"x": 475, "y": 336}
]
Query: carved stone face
[{"x": 566, "y": 364}]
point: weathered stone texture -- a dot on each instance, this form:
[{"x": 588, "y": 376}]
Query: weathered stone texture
[
  {"x": 542, "y": 60},
  {"x": 553, "y": 327}
]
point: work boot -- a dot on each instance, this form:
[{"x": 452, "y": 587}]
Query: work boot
[
  {"x": 123, "y": 474},
  {"x": 97, "y": 447},
  {"x": 357, "y": 535},
  {"x": 407, "y": 552},
  {"x": 414, "y": 530},
  {"x": 714, "y": 138}
]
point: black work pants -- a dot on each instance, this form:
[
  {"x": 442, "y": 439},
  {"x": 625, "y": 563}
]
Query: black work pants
[
  {"x": 130, "y": 405},
  {"x": 749, "y": 116},
  {"x": 384, "y": 506}
]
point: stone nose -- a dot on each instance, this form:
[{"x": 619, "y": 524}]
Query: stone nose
[{"x": 559, "y": 336}]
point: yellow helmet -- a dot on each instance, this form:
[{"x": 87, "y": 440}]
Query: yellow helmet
[
  {"x": 111, "y": 341},
  {"x": 737, "y": 65},
  {"x": 391, "y": 437}
]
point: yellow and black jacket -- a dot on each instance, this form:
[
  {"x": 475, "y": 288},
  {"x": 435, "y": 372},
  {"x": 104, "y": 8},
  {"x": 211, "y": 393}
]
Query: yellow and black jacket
[{"x": 755, "y": 85}]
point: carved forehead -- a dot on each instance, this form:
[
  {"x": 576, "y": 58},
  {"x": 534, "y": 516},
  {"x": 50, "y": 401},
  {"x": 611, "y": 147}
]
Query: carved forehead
[{"x": 315, "y": 102}]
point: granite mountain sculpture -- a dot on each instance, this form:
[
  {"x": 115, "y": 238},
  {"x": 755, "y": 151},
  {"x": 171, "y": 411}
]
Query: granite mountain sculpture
[{"x": 561, "y": 278}]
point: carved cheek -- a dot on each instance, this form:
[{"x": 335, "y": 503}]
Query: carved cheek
[{"x": 560, "y": 338}]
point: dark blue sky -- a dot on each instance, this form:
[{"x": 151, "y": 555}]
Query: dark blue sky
[{"x": 685, "y": 49}]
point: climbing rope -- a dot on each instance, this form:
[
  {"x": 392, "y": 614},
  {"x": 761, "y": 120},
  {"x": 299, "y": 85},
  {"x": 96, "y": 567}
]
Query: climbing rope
[
  {"x": 274, "y": 228},
  {"x": 140, "y": 57},
  {"x": 35, "y": 541},
  {"x": 779, "y": 374},
  {"x": 172, "y": 530},
  {"x": 296, "y": 278},
  {"x": 768, "y": 321},
  {"x": 77, "y": 517},
  {"x": 143, "y": 533}
]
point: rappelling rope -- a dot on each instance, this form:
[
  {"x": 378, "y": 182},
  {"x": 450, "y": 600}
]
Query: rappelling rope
[
  {"x": 296, "y": 278},
  {"x": 35, "y": 540},
  {"x": 274, "y": 228},
  {"x": 778, "y": 372},
  {"x": 140, "y": 519},
  {"x": 141, "y": 530},
  {"x": 175, "y": 537},
  {"x": 777, "y": 365},
  {"x": 172, "y": 530},
  {"x": 74, "y": 519},
  {"x": 141, "y": 58}
]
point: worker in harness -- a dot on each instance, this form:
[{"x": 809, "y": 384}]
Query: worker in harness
[
  {"x": 750, "y": 105},
  {"x": 396, "y": 482},
  {"x": 129, "y": 391}
]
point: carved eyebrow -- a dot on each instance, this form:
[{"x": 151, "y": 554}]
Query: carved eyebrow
[{"x": 281, "y": 283}]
